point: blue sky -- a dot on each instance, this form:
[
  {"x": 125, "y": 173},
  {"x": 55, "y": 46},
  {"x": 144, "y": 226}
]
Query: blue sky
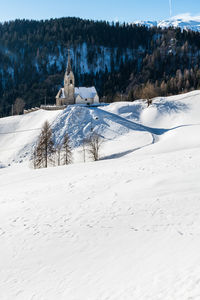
[{"x": 123, "y": 10}]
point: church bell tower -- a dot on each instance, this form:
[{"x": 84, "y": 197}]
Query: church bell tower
[{"x": 69, "y": 82}]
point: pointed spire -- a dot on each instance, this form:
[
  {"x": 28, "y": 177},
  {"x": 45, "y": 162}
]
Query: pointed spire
[{"x": 69, "y": 68}]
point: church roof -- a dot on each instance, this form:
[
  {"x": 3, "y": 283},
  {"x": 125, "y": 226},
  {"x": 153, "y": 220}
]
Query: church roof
[
  {"x": 62, "y": 94},
  {"x": 85, "y": 92}
]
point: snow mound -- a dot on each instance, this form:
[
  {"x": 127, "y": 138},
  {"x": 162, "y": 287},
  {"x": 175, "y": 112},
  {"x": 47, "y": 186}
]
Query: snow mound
[
  {"x": 175, "y": 119},
  {"x": 79, "y": 121},
  {"x": 19, "y": 134}
]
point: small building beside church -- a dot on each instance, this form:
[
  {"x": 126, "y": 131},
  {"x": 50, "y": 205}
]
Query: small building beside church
[{"x": 75, "y": 95}]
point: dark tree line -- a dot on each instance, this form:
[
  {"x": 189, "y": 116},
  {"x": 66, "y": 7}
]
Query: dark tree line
[{"x": 31, "y": 67}]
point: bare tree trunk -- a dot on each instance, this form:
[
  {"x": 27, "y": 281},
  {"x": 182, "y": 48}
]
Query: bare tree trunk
[
  {"x": 46, "y": 155},
  {"x": 67, "y": 150},
  {"x": 84, "y": 145},
  {"x": 94, "y": 145},
  {"x": 18, "y": 106},
  {"x": 45, "y": 149},
  {"x": 58, "y": 153}
]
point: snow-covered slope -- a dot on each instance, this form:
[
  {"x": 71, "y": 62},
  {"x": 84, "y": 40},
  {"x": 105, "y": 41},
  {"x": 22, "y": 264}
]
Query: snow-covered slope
[
  {"x": 18, "y": 134},
  {"x": 125, "y": 227},
  {"x": 184, "y": 21}
]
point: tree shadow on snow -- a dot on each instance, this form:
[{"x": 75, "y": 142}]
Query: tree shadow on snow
[
  {"x": 121, "y": 154},
  {"x": 170, "y": 107}
]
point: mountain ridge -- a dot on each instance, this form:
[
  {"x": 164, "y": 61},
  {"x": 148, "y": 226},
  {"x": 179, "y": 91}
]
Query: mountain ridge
[{"x": 183, "y": 21}]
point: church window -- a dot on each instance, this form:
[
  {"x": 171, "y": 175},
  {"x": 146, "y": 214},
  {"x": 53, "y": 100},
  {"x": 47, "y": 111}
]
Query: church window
[{"x": 71, "y": 82}]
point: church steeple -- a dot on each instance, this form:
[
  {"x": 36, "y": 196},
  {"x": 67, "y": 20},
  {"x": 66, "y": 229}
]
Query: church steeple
[
  {"x": 69, "y": 67},
  {"x": 69, "y": 82},
  {"x": 70, "y": 95}
]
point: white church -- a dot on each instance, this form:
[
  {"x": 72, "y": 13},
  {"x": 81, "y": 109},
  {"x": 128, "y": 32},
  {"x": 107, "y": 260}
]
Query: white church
[{"x": 75, "y": 95}]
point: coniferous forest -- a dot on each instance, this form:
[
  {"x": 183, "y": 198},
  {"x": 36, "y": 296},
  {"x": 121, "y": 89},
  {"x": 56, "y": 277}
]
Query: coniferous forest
[{"x": 123, "y": 61}]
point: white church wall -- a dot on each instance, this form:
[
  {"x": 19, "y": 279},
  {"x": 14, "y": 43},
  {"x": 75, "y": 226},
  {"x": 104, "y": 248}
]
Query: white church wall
[
  {"x": 80, "y": 100},
  {"x": 96, "y": 99}
]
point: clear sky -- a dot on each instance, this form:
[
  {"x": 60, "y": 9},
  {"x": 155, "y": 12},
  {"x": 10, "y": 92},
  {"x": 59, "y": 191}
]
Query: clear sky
[{"x": 111, "y": 10}]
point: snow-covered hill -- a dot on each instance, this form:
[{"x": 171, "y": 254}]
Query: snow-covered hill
[
  {"x": 125, "y": 227},
  {"x": 185, "y": 21},
  {"x": 18, "y": 134}
]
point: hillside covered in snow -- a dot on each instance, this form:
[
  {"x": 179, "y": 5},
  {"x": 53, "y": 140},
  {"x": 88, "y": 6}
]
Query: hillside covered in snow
[
  {"x": 125, "y": 227},
  {"x": 112, "y": 121}
]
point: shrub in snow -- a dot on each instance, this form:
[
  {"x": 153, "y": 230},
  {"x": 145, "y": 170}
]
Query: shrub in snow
[{"x": 94, "y": 143}]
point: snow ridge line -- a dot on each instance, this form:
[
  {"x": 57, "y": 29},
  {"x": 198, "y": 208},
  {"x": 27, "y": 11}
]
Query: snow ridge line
[{"x": 135, "y": 126}]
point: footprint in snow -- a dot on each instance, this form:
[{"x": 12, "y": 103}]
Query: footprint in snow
[
  {"x": 179, "y": 232},
  {"x": 135, "y": 229},
  {"x": 2, "y": 232},
  {"x": 128, "y": 181}
]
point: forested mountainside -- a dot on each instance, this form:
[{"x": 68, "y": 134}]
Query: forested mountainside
[{"x": 117, "y": 58}]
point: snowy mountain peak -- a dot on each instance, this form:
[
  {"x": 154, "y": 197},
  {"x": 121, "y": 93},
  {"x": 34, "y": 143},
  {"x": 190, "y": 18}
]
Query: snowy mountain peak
[{"x": 184, "y": 21}]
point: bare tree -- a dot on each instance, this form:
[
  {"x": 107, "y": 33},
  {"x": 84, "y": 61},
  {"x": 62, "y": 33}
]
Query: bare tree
[
  {"x": 94, "y": 144},
  {"x": 84, "y": 148},
  {"x": 58, "y": 150},
  {"x": 18, "y": 106},
  {"x": 67, "y": 150},
  {"x": 43, "y": 153},
  {"x": 35, "y": 160},
  {"x": 149, "y": 91}
]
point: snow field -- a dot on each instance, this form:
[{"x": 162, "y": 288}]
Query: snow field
[{"x": 125, "y": 227}]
